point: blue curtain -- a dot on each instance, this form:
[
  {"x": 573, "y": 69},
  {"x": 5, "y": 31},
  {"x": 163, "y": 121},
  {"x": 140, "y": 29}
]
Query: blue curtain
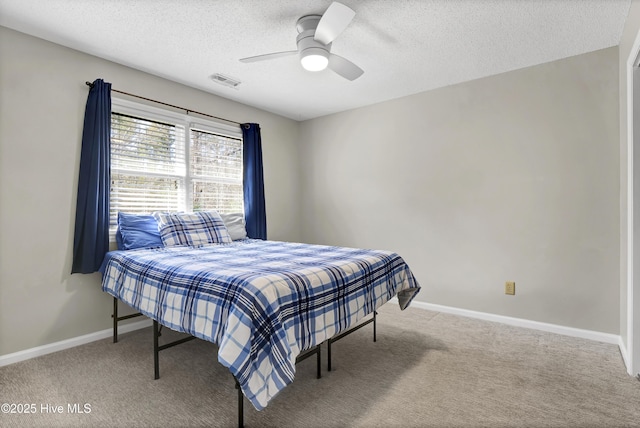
[
  {"x": 255, "y": 215},
  {"x": 91, "y": 238}
]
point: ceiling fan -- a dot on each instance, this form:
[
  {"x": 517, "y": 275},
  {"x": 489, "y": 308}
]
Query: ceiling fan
[{"x": 315, "y": 35}]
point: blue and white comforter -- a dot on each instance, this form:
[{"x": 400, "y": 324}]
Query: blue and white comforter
[{"x": 261, "y": 302}]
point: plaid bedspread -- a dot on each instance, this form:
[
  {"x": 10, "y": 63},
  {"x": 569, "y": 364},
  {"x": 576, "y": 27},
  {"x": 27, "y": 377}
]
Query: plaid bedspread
[{"x": 261, "y": 302}]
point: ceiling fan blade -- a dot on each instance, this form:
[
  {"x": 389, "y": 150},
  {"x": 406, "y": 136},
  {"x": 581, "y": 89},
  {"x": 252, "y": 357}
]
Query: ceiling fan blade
[
  {"x": 268, "y": 56},
  {"x": 333, "y": 22},
  {"x": 344, "y": 67}
]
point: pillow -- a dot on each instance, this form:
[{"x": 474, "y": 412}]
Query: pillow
[
  {"x": 119, "y": 243},
  {"x": 194, "y": 229},
  {"x": 137, "y": 231},
  {"x": 235, "y": 225}
]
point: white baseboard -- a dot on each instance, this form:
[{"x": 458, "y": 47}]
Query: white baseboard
[
  {"x": 519, "y": 322},
  {"x": 625, "y": 355},
  {"x": 38, "y": 351}
]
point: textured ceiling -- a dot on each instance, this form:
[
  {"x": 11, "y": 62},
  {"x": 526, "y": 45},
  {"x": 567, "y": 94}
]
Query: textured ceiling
[{"x": 404, "y": 46}]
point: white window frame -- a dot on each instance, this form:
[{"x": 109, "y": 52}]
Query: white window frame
[{"x": 188, "y": 122}]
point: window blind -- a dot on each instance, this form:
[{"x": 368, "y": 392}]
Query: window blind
[
  {"x": 147, "y": 166},
  {"x": 216, "y": 172}
]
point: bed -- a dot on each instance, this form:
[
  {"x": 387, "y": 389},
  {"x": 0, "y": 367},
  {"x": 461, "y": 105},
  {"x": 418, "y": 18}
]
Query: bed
[{"x": 262, "y": 302}]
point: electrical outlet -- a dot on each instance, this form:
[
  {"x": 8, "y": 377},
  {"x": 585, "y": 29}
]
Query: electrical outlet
[{"x": 510, "y": 288}]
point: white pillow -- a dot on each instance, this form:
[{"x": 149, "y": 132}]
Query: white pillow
[{"x": 235, "y": 225}]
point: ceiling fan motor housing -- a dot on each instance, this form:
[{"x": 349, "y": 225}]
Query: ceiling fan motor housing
[{"x": 305, "y": 41}]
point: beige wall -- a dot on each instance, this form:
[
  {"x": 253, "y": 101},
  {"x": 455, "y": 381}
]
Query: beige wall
[
  {"x": 511, "y": 177},
  {"x": 43, "y": 95},
  {"x": 629, "y": 34}
]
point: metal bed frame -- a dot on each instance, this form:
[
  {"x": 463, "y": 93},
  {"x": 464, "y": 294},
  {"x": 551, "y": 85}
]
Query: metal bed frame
[
  {"x": 157, "y": 332},
  {"x": 348, "y": 332}
]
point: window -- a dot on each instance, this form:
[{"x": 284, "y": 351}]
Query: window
[{"x": 168, "y": 162}]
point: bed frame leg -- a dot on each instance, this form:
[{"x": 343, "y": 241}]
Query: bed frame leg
[
  {"x": 156, "y": 351},
  {"x": 240, "y": 405},
  {"x": 115, "y": 320},
  {"x": 329, "y": 354},
  {"x": 374, "y": 325},
  {"x": 319, "y": 362}
]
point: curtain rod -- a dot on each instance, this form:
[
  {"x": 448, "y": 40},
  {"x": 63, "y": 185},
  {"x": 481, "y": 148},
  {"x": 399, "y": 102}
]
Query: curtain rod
[{"x": 168, "y": 105}]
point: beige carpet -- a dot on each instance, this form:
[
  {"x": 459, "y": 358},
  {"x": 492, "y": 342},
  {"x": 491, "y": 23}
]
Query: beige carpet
[{"x": 426, "y": 370}]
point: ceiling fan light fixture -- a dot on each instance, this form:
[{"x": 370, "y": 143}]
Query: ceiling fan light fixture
[{"x": 314, "y": 59}]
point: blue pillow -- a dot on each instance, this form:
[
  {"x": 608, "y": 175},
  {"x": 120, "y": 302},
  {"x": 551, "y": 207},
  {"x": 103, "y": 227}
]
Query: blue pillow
[
  {"x": 119, "y": 242},
  {"x": 138, "y": 231}
]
